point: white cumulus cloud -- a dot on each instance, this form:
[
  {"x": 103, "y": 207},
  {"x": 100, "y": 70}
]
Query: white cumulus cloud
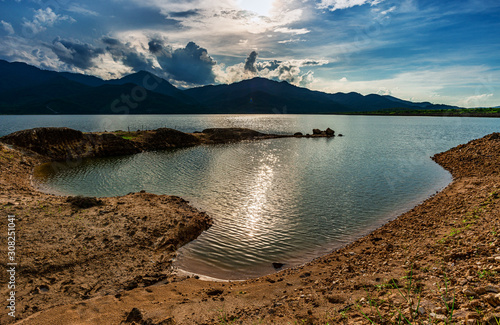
[
  {"x": 477, "y": 100},
  {"x": 344, "y": 4},
  {"x": 43, "y": 19},
  {"x": 289, "y": 70},
  {"x": 286, "y": 30}
]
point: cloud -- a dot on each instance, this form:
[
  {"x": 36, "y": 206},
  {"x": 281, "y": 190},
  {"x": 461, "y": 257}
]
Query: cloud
[
  {"x": 219, "y": 23},
  {"x": 15, "y": 48},
  {"x": 438, "y": 85},
  {"x": 127, "y": 54},
  {"x": 291, "y": 40},
  {"x": 184, "y": 14},
  {"x": 250, "y": 62},
  {"x": 476, "y": 100},
  {"x": 79, "y": 9},
  {"x": 8, "y": 27},
  {"x": 43, "y": 19},
  {"x": 287, "y": 30},
  {"x": 75, "y": 53},
  {"x": 333, "y": 5},
  {"x": 190, "y": 64},
  {"x": 156, "y": 46},
  {"x": 289, "y": 70}
]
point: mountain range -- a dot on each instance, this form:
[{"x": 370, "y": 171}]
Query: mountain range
[{"x": 25, "y": 89}]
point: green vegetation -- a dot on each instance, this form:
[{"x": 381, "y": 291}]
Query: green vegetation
[
  {"x": 127, "y": 135},
  {"x": 486, "y": 274},
  {"x": 463, "y": 112},
  {"x": 471, "y": 218},
  {"x": 410, "y": 292},
  {"x": 224, "y": 318}
]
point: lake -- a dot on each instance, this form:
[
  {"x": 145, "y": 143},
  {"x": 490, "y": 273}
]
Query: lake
[{"x": 281, "y": 200}]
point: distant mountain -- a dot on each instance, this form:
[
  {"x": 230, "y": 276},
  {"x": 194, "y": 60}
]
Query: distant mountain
[
  {"x": 25, "y": 89},
  {"x": 107, "y": 99},
  {"x": 21, "y": 75},
  {"x": 261, "y": 95},
  {"x": 153, "y": 83},
  {"x": 83, "y": 79},
  {"x": 421, "y": 105}
]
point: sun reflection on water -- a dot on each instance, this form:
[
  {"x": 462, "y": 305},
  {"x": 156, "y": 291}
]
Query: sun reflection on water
[{"x": 253, "y": 209}]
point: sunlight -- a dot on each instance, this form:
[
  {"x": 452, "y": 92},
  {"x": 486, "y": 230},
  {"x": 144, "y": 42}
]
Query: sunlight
[{"x": 261, "y": 7}]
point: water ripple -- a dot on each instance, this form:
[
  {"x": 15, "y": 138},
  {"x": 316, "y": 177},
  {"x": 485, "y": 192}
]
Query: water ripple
[{"x": 282, "y": 200}]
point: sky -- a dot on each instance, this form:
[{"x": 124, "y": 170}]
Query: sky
[{"x": 419, "y": 50}]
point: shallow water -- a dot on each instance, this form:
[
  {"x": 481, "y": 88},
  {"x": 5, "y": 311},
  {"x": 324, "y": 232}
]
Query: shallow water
[{"x": 281, "y": 200}]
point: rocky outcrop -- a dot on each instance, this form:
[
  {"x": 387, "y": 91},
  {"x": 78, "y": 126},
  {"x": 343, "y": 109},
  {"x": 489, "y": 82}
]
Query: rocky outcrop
[
  {"x": 478, "y": 158},
  {"x": 106, "y": 145},
  {"x": 165, "y": 138},
  {"x": 327, "y": 133},
  {"x": 223, "y": 135},
  {"x": 65, "y": 143}
]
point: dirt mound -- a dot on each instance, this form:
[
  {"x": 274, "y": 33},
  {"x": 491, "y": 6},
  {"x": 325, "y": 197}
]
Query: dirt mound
[
  {"x": 219, "y": 135},
  {"x": 46, "y": 141},
  {"x": 65, "y": 143},
  {"x": 476, "y": 158},
  {"x": 164, "y": 138}
]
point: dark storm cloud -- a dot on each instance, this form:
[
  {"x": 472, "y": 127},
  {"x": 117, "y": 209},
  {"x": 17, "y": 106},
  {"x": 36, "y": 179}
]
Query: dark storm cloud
[
  {"x": 250, "y": 62},
  {"x": 270, "y": 65},
  {"x": 190, "y": 64},
  {"x": 184, "y": 14},
  {"x": 75, "y": 53},
  {"x": 127, "y": 54},
  {"x": 111, "y": 41},
  {"x": 155, "y": 46}
]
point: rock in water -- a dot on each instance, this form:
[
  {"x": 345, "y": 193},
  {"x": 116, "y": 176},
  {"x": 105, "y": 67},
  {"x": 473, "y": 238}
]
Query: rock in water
[{"x": 278, "y": 266}]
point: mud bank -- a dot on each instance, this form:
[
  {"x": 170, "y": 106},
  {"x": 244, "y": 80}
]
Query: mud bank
[{"x": 66, "y": 144}]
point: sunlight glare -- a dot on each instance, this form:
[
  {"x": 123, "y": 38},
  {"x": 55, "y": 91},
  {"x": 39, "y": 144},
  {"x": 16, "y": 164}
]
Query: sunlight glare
[{"x": 261, "y": 7}]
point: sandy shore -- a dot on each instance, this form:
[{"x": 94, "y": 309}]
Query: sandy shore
[{"x": 437, "y": 263}]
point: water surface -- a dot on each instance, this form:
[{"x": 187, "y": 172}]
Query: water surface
[{"x": 281, "y": 200}]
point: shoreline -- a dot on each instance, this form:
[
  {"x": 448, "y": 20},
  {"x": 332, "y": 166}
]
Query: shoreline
[
  {"x": 327, "y": 288},
  {"x": 66, "y": 249},
  {"x": 316, "y": 253},
  {"x": 63, "y": 239}
]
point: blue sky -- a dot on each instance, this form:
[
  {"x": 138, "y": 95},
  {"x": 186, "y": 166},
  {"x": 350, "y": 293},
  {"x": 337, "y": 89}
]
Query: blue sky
[{"x": 437, "y": 51}]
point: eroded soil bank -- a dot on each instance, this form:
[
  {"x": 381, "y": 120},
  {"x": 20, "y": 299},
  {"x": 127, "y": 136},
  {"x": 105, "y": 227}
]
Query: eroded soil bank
[
  {"x": 68, "y": 252},
  {"x": 437, "y": 263}
]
